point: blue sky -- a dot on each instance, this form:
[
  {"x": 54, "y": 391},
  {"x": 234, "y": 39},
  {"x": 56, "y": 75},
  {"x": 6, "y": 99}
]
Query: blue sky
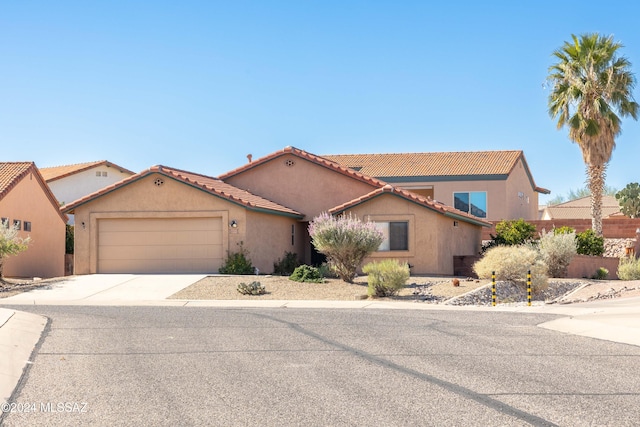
[{"x": 198, "y": 85}]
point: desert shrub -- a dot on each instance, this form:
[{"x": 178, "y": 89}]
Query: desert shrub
[
  {"x": 306, "y": 273},
  {"x": 601, "y": 274},
  {"x": 345, "y": 241},
  {"x": 557, "y": 250},
  {"x": 511, "y": 232},
  {"x": 326, "y": 271},
  {"x": 629, "y": 269},
  {"x": 511, "y": 263},
  {"x": 68, "y": 240},
  {"x": 253, "y": 288},
  {"x": 588, "y": 243},
  {"x": 565, "y": 229},
  {"x": 386, "y": 277},
  {"x": 286, "y": 265},
  {"x": 10, "y": 243},
  {"x": 237, "y": 262}
]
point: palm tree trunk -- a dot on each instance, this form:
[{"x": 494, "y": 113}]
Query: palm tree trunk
[{"x": 596, "y": 176}]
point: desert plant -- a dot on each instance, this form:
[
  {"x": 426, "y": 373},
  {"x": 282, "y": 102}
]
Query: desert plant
[
  {"x": 306, "y": 273},
  {"x": 238, "y": 262},
  {"x": 588, "y": 243},
  {"x": 629, "y": 269},
  {"x": 601, "y": 274},
  {"x": 557, "y": 250},
  {"x": 286, "y": 265},
  {"x": 68, "y": 242},
  {"x": 511, "y": 263},
  {"x": 386, "y": 277},
  {"x": 10, "y": 243},
  {"x": 565, "y": 229},
  {"x": 629, "y": 200},
  {"x": 512, "y": 232},
  {"x": 345, "y": 241},
  {"x": 253, "y": 288}
]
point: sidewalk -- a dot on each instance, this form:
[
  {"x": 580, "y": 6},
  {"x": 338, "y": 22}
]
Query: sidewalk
[{"x": 615, "y": 320}]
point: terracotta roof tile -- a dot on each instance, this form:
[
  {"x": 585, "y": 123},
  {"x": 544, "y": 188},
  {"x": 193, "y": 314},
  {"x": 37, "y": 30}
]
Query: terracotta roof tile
[
  {"x": 431, "y": 164},
  {"x": 57, "y": 172},
  {"x": 413, "y": 197},
  {"x": 581, "y": 208},
  {"x": 208, "y": 184},
  {"x": 319, "y": 160}
]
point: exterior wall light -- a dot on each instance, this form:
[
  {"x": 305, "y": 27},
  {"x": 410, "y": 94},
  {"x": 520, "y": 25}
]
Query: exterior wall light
[{"x": 234, "y": 223}]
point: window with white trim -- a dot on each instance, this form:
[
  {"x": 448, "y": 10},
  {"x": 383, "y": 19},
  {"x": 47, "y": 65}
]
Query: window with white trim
[
  {"x": 471, "y": 202},
  {"x": 396, "y": 235}
]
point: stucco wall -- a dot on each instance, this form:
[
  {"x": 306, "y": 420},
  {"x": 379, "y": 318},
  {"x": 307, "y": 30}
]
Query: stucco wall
[
  {"x": 433, "y": 238},
  {"x": 45, "y": 256},
  {"x": 268, "y": 237},
  {"x": 73, "y": 187},
  {"x": 304, "y": 186},
  {"x": 520, "y": 198}
]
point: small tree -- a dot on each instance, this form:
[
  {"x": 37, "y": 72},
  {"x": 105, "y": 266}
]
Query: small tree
[
  {"x": 629, "y": 200},
  {"x": 10, "y": 243},
  {"x": 346, "y": 241}
]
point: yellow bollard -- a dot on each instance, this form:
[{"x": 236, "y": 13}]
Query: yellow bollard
[
  {"x": 529, "y": 287},
  {"x": 493, "y": 288}
]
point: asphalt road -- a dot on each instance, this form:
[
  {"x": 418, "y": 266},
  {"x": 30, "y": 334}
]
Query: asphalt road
[{"x": 157, "y": 366}]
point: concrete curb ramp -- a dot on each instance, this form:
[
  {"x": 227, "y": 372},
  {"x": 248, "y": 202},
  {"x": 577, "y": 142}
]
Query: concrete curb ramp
[{"x": 19, "y": 334}]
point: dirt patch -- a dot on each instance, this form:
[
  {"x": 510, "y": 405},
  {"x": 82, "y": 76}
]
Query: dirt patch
[{"x": 11, "y": 287}]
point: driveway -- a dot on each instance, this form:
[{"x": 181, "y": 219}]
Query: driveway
[{"x": 112, "y": 289}]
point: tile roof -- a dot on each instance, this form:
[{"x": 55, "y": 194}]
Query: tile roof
[
  {"x": 581, "y": 208},
  {"x": 57, "y": 172},
  {"x": 324, "y": 162},
  {"x": 429, "y": 165},
  {"x": 11, "y": 173},
  {"x": 213, "y": 186},
  {"x": 415, "y": 198}
]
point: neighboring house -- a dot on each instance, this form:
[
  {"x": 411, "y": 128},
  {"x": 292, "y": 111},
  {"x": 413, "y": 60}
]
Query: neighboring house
[
  {"x": 166, "y": 220},
  {"x": 71, "y": 182},
  {"x": 26, "y": 200},
  {"x": 581, "y": 209},
  {"x": 493, "y": 185}
]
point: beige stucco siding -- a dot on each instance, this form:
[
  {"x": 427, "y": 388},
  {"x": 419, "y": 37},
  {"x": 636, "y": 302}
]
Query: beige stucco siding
[
  {"x": 144, "y": 199},
  {"x": 300, "y": 184},
  {"x": 73, "y": 187},
  {"x": 520, "y": 197},
  {"x": 45, "y": 257},
  {"x": 433, "y": 238}
]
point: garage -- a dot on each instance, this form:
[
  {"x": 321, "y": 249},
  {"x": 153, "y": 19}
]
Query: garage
[{"x": 160, "y": 245}]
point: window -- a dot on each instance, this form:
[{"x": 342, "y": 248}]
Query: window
[
  {"x": 4, "y": 222},
  {"x": 104, "y": 174},
  {"x": 27, "y": 226},
  {"x": 396, "y": 235},
  {"x": 17, "y": 223},
  {"x": 471, "y": 202}
]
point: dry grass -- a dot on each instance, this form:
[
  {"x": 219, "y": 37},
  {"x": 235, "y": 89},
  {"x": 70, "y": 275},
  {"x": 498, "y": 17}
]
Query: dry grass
[{"x": 281, "y": 288}]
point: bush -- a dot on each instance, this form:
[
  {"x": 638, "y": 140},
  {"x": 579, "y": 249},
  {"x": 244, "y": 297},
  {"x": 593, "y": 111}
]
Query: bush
[
  {"x": 386, "y": 277},
  {"x": 629, "y": 269},
  {"x": 557, "y": 250},
  {"x": 286, "y": 265},
  {"x": 564, "y": 230},
  {"x": 511, "y": 263},
  {"x": 345, "y": 241},
  {"x": 601, "y": 274},
  {"x": 237, "y": 262},
  {"x": 253, "y": 288},
  {"x": 306, "y": 273},
  {"x": 68, "y": 241},
  {"x": 589, "y": 244},
  {"x": 512, "y": 232}
]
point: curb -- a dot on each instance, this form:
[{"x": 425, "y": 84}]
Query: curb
[{"x": 20, "y": 332}]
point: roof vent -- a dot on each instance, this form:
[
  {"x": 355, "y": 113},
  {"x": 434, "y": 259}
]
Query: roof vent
[
  {"x": 249, "y": 157},
  {"x": 158, "y": 182},
  {"x": 289, "y": 162}
]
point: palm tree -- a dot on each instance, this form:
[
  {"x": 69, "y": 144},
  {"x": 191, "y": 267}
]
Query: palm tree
[{"x": 591, "y": 90}]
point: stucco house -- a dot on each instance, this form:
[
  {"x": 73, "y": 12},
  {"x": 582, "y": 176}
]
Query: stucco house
[
  {"x": 71, "y": 182},
  {"x": 166, "y": 220},
  {"x": 493, "y": 185},
  {"x": 27, "y": 201},
  {"x": 581, "y": 209}
]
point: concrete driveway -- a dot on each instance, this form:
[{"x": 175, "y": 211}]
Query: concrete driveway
[{"x": 113, "y": 289}]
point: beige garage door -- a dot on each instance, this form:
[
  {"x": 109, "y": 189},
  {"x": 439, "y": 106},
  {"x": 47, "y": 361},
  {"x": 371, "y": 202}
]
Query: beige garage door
[{"x": 160, "y": 245}]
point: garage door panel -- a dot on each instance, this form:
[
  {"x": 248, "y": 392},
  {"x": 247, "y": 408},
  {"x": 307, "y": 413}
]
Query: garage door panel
[{"x": 166, "y": 245}]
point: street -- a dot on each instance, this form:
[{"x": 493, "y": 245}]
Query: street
[{"x": 283, "y": 366}]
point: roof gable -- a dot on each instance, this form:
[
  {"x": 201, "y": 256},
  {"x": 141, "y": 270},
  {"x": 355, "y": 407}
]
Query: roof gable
[
  {"x": 321, "y": 161},
  {"x": 11, "y": 173},
  {"x": 210, "y": 185},
  {"x": 397, "y": 167},
  {"x": 59, "y": 172},
  {"x": 414, "y": 198}
]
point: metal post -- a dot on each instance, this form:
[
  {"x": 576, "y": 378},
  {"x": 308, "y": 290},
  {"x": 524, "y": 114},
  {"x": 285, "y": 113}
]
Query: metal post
[
  {"x": 493, "y": 288},
  {"x": 529, "y": 287}
]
